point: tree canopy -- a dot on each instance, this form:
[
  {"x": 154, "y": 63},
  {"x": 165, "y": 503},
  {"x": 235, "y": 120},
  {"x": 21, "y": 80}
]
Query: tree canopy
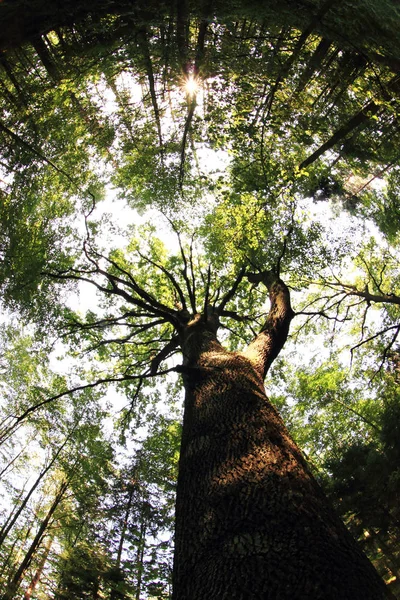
[{"x": 160, "y": 161}]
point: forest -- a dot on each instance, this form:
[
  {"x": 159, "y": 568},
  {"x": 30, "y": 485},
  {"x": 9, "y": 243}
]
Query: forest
[{"x": 200, "y": 293}]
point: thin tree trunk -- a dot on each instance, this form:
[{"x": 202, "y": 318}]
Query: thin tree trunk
[
  {"x": 11, "y": 522},
  {"x": 7, "y": 68},
  {"x": 45, "y": 57},
  {"x": 314, "y": 63},
  {"x": 182, "y": 34},
  {"x": 14, "y": 584},
  {"x": 251, "y": 521},
  {"x": 192, "y": 103},
  {"x": 144, "y": 44},
  {"x": 358, "y": 120},
  {"x": 36, "y": 578},
  {"x": 391, "y": 560},
  {"x": 140, "y": 553},
  {"x": 325, "y": 8},
  {"x": 114, "y": 593}
]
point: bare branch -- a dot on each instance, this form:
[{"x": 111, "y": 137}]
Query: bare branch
[
  {"x": 230, "y": 294},
  {"x": 231, "y": 314},
  {"x": 172, "y": 279},
  {"x": 18, "y": 419},
  {"x": 110, "y": 321},
  {"x": 349, "y": 289},
  {"x": 284, "y": 247},
  {"x": 190, "y": 290},
  {"x": 126, "y": 339},
  {"x": 319, "y": 313},
  {"x": 376, "y": 335},
  {"x": 132, "y": 284}
]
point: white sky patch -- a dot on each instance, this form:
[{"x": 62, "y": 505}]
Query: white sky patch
[{"x": 212, "y": 161}]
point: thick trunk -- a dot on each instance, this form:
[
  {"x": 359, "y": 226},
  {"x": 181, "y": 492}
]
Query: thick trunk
[{"x": 251, "y": 521}]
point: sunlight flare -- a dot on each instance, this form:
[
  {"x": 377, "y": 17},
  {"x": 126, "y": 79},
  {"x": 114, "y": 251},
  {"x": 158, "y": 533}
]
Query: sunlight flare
[{"x": 191, "y": 85}]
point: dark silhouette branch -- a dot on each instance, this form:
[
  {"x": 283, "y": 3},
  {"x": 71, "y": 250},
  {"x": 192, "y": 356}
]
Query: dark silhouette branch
[
  {"x": 131, "y": 283},
  {"x": 186, "y": 130},
  {"x": 16, "y": 138},
  {"x": 231, "y": 293},
  {"x": 189, "y": 288},
  {"x": 172, "y": 279},
  {"x": 18, "y": 419},
  {"x": 358, "y": 121},
  {"x": 395, "y": 328},
  {"x": 352, "y": 290},
  {"x": 165, "y": 353},
  {"x": 144, "y": 44}
]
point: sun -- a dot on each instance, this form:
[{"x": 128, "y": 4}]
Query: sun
[{"x": 191, "y": 85}]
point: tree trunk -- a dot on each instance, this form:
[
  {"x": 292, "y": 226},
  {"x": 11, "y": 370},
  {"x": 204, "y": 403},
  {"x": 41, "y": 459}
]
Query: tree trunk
[
  {"x": 115, "y": 593},
  {"x": 314, "y": 64},
  {"x": 140, "y": 553},
  {"x": 358, "y": 120},
  {"x": 4, "y": 531},
  {"x": 38, "y": 573},
  {"x": 17, "y": 579},
  {"x": 46, "y": 58},
  {"x": 251, "y": 521}
]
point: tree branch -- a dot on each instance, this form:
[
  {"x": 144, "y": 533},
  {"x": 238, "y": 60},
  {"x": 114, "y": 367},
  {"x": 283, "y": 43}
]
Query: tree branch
[
  {"x": 18, "y": 419},
  {"x": 167, "y": 351},
  {"x": 230, "y": 294},
  {"x": 269, "y": 342},
  {"x": 172, "y": 279}
]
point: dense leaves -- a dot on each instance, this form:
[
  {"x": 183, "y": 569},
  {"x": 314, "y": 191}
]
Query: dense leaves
[{"x": 284, "y": 159}]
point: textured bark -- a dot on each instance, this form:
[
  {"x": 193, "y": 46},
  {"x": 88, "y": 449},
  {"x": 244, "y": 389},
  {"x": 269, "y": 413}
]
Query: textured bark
[{"x": 251, "y": 521}]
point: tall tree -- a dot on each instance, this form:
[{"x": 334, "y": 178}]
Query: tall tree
[
  {"x": 296, "y": 114},
  {"x": 249, "y": 514}
]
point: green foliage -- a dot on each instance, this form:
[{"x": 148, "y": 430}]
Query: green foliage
[{"x": 286, "y": 160}]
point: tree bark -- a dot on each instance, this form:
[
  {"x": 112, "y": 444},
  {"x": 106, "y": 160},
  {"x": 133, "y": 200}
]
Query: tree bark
[{"x": 251, "y": 521}]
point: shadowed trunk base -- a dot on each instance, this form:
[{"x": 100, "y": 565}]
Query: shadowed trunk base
[{"x": 251, "y": 521}]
